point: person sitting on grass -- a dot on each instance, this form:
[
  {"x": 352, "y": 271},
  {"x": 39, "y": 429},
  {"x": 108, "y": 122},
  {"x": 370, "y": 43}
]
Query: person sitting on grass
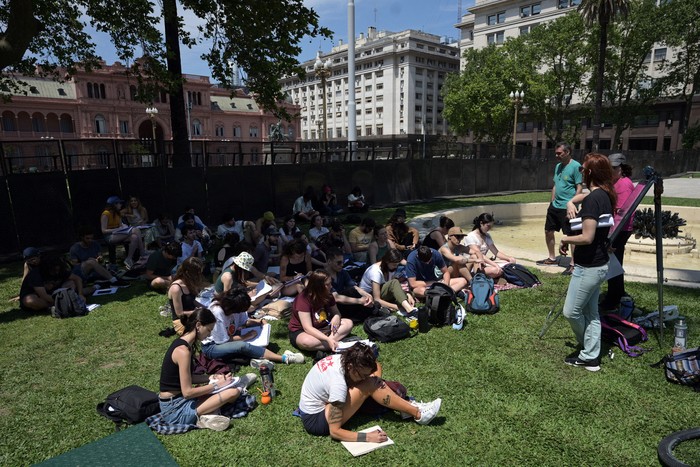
[
  {"x": 317, "y": 228},
  {"x": 426, "y": 266},
  {"x": 316, "y": 323},
  {"x": 360, "y": 237},
  {"x": 191, "y": 247},
  {"x": 480, "y": 243},
  {"x": 245, "y": 229},
  {"x": 352, "y": 301},
  {"x": 187, "y": 398},
  {"x": 436, "y": 238},
  {"x": 303, "y": 209},
  {"x": 135, "y": 213},
  {"x": 287, "y": 231},
  {"x": 182, "y": 294},
  {"x": 160, "y": 265},
  {"x": 386, "y": 290},
  {"x": 404, "y": 238},
  {"x": 85, "y": 257},
  {"x": 456, "y": 255},
  {"x": 45, "y": 276},
  {"x": 337, "y": 386},
  {"x": 380, "y": 245},
  {"x": 294, "y": 263},
  {"x": 356, "y": 201},
  {"x": 226, "y": 341},
  {"x": 116, "y": 232},
  {"x": 237, "y": 272},
  {"x": 267, "y": 252}
]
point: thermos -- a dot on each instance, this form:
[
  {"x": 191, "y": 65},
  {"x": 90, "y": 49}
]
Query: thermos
[
  {"x": 268, "y": 382},
  {"x": 423, "y": 324},
  {"x": 680, "y": 332}
]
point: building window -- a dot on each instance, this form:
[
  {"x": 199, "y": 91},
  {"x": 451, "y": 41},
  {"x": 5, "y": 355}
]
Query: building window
[
  {"x": 132, "y": 92},
  {"x": 419, "y": 84},
  {"x": 124, "y": 127},
  {"x": 660, "y": 54},
  {"x": 525, "y": 30},
  {"x": 219, "y": 131},
  {"x": 497, "y": 18},
  {"x": 495, "y": 38},
  {"x": 38, "y": 123},
  {"x": 100, "y": 125},
  {"x": 419, "y": 108},
  {"x": 8, "y": 122},
  {"x": 196, "y": 128},
  {"x": 528, "y": 10},
  {"x": 368, "y": 131},
  {"x": 253, "y": 132},
  {"x": 290, "y": 132},
  {"x": 419, "y": 96}
]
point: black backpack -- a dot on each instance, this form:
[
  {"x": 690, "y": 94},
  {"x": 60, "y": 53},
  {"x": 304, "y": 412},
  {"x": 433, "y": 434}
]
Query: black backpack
[
  {"x": 440, "y": 302},
  {"x": 68, "y": 304},
  {"x": 386, "y": 328},
  {"x": 130, "y": 405},
  {"x": 519, "y": 275}
]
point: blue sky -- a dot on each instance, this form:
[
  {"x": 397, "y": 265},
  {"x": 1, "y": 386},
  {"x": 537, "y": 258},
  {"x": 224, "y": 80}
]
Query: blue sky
[{"x": 432, "y": 16}]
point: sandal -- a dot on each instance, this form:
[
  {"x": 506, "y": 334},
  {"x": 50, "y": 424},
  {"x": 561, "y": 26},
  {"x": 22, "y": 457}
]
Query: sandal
[{"x": 547, "y": 262}]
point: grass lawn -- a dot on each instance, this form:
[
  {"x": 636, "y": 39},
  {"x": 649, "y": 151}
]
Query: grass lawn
[{"x": 508, "y": 399}]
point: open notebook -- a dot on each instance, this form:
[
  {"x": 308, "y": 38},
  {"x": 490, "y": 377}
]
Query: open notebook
[{"x": 358, "y": 448}]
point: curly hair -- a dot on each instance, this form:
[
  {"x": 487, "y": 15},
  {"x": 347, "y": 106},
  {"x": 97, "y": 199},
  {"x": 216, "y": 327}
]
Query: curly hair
[
  {"x": 234, "y": 300},
  {"x": 358, "y": 356}
]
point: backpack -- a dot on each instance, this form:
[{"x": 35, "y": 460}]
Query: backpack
[
  {"x": 519, "y": 275},
  {"x": 622, "y": 333},
  {"x": 386, "y": 328},
  {"x": 130, "y": 405},
  {"x": 682, "y": 368},
  {"x": 482, "y": 297},
  {"x": 440, "y": 302},
  {"x": 67, "y": 304}
]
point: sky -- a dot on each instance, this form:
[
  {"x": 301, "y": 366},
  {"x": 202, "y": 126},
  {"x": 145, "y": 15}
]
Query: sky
[{"x": 432, "y": 16}]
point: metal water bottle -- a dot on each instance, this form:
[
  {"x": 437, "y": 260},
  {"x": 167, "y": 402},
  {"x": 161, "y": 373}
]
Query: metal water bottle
[
  {"x": 268, "y": 382},
  {"x": 680, "y": 332}
]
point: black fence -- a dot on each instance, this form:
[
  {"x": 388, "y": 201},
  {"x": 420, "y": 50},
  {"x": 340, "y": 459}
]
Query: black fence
[{"x": 42, "y": 205}]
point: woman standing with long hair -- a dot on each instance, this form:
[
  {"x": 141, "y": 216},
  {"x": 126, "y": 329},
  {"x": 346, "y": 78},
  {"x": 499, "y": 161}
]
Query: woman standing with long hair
[{"x": 591, "y": 259}]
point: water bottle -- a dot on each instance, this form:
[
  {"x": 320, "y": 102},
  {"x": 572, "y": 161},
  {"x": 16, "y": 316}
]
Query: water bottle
[
  {"x": 680, "y": 332},
  {"x": 268, "y": 382}
]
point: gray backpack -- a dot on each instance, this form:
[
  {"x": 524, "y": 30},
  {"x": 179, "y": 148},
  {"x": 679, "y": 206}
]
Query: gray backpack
[{"x": 67, "y": 304}]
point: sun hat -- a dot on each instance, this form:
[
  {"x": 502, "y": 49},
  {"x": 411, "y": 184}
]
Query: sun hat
[
  {"x": 456, "y": 231},
  {"x": 114, "y": 200},
  {"x": 244, "y": 261},
  {"x": 617, "y": 159},
  {"x": 268, "y": 216},
  {"x": 30, "y": 252}
]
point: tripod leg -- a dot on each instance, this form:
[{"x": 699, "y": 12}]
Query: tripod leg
[{"x": 556, "y": 310}]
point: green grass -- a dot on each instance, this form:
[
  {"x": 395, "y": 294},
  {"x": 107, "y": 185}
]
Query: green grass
[{"x": 508, "y": 399}]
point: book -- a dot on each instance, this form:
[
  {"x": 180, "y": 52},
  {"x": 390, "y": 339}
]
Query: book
[
  {"x": 263, "y": 338},
  {"x": 262, "y": 289},
  {"x": 234, "y": 380},
  {"x": 125, "y": 229},
  {"x": 343, "y": 346},
  {"x": 605, "y": 220},
  {"x": 358, "y": 448}
]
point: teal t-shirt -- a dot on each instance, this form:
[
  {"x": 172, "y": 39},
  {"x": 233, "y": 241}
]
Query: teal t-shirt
[{"x": 566, "y": 177}]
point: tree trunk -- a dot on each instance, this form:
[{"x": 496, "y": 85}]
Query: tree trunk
[
  {"x": 20, "y": 31},
  {"x": 178, "y": 118},
  {"x": 600, "y": 76}
]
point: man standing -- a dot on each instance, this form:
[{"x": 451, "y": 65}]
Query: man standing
[{"x": 567, "y": 184}]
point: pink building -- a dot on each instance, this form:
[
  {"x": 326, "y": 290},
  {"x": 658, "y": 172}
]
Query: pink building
[{"x": 96, "y": 114}]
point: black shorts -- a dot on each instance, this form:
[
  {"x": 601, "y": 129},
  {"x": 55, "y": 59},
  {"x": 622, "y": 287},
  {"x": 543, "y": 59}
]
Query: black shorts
[
  {"x": 557, "y": 220},
  {"x": 316, "y": 424},
  {"x": 293, "y": 337}
]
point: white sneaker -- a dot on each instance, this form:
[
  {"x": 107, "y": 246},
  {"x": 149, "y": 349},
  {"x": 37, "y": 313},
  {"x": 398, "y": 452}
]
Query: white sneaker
[
  {"x": 257, "y": 362},
  {"x": 213, "y": 422},
  {"x": 128, "y": 263},
  {"x": 293, "y": 357},
  {"x": 247, "y": 380},
  {"x": 428, "y": 411}
]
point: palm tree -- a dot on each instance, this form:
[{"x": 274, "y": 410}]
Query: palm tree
[{"x": 601, "y": 12}]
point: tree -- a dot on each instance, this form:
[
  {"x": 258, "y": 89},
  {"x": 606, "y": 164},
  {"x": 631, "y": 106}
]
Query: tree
[
  {"x": 681, "y": 23},
  {"x": 48, "y": 37},
  {"x": 602, "y": 13}
]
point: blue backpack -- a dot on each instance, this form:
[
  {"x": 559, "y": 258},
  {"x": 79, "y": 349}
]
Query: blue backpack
[{"x": 482, "y": 298}]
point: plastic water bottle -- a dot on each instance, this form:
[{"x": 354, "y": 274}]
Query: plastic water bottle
[
  {"x": 680, "y": 332},
  {"x": 268, "y": 382}
]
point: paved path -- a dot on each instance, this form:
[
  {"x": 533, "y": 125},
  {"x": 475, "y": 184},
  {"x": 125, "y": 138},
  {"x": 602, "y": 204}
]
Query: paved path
[{"x": 682, "y": 187}]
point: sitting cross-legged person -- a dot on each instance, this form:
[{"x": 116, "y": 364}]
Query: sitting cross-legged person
[
  {"x": 45, "y": 277},
  {"x": 386, "y": 290},
  {"x": 188, "y": 281},
  {"x": 404, "y": 238},
  {"x": 360, "y": 237},
  {"x": 191, "y": 247},
  {"x": 245, "y": 229},
  {"x": 352, "y": 301},
  {"x": 160, "y": 264},
  {"x": 85, "y": 256},
  {"x": 423, "y": 266},
  {"x": 116, "y": 232},
  {"x": 456, "y": 255}
]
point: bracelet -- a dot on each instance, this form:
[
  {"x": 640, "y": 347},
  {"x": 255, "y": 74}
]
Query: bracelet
[{"x": 361, "y": 437}]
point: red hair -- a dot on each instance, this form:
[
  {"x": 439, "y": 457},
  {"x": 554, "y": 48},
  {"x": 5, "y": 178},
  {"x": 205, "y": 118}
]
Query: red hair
[{"x": 598, "y": 172}]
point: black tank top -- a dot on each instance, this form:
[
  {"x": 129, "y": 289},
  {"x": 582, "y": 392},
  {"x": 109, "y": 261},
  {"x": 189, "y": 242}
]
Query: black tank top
[
  {"x": 429, "y": 241},
  {"x": 294, "y": 269},
  {"x": 169, "y": 372},
  {"x": 188, "y": 302}
]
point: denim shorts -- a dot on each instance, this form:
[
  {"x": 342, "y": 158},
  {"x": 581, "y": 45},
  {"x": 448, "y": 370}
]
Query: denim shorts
[{"x": 179, "y": 410}]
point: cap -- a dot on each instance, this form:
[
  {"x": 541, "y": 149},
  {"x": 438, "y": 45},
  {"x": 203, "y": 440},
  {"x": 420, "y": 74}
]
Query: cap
[
  {"x": 617, "y": 159},
  {"x": 244, "y": 260},
  {"x": 268, "y": 216},
  {"x": 272, "y": 231},
  {"x": 400, "y": 212},
  {"x": 114, "y": 200},
  {"x": 456, "y": 231},
  {"x": 30, "y": 252}
]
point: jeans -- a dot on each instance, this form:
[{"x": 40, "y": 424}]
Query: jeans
[
  {"x": 232, "y": 349},
  {"x": 581, "y": 308}
]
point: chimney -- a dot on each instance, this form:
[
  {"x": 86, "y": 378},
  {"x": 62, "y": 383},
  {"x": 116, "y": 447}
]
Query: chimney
[
  {"x": 371, "y": 32},
  {"x": 362, "y": 36},
  {"x": 340, "y": 42}
]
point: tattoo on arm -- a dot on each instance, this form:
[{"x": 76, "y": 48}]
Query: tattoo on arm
[
  {"x": 335, "y": 415},
  {"x": 361, "y": 437},
  {"x": 387, "y": 400}
]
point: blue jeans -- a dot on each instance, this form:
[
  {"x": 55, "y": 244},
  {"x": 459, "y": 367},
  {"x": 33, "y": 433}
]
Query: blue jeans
[
  {"x": 581, "y": 308},
  {"x": 232, "y": 349}
]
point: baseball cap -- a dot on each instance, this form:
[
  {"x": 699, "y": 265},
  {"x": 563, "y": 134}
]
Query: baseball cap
[
  {"x": 272, "y": 231},
  {"x": 114, "y": 200},
  {"x": 269, "y": 216},
  {"x": 30, "y": 252},
  {"x": 456, "y": 231},
  {"x": 617, "y": 159}
]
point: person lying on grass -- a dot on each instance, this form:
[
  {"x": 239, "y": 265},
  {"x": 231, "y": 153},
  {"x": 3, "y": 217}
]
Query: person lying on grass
[
  {"x": 339, "y": 384},
  {"x": 187, "y": 398},
  {"x": 225, "y": 341}
]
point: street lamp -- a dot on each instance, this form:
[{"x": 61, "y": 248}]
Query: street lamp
[
  {"x": 516, "y": 97},
  {"x": 323, "y": 71},
  {"x": 152, "y": 111}
]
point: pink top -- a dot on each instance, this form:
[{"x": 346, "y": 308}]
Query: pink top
[{"x": 624, "y": 188}]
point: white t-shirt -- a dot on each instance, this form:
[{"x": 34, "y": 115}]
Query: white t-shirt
[
  {"x": 373, "y": 274},
  {"x": 226, "y": 326},
  {"x": 324, "y": 384},
  {"x": 314, "y": 233},
  {"x": 474, "y": 238},
  {"x": 237, "y": 227},
  {"x": 187, "y": 251},
  {"x": 302, "y": 206}
]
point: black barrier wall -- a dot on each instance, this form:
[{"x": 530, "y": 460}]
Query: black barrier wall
[{"x": 44, "y": 209}]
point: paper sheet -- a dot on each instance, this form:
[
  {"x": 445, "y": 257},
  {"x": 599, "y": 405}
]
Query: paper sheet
[
  {"x": 263, "y": 338},
  {"x": 359, "y": 448}
]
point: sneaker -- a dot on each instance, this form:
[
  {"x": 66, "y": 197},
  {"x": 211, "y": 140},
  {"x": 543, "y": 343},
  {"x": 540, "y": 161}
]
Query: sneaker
[
  {"x": 52, "y": 310},
  {"x": 164, "y": 311},
  {"x": 258, "y": 362},
  {"x": 568, "y": 271},
  {"x": 128, "y": 263},
  {"x": 428, "y": 411},
  {"x": 247, "y": 380},
  {"x": 547, "y": 262},
  {"x": 120, "y": 283},
  {"x": 294, "y": 357},
  {"x": 213, "y": 422},
  {"x": 590, "y": 365}
]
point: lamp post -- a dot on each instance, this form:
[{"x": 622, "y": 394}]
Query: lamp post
[
  {"x": 516, "y": 97},
  {"x": 152, "y": 111},
  {"x": 323, "y": 71}
]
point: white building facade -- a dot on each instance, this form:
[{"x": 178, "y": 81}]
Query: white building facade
[{"x": 398, "y": 81}]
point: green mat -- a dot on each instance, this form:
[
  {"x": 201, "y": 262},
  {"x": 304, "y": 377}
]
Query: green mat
[{"x": 135, "y": 446}]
